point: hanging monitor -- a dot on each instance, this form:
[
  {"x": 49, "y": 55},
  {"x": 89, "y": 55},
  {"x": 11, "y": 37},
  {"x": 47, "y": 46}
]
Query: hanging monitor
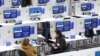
[
  {"x": 36, "y": 11},
  {"x": 87, "y": 6},
  {"x": 43, "y": 1},
  {"x": 16, "y": 2},
  {"x": 59, "y": 1},
  {"x": 10, "y": 14},
  {"x": 1, "y": 2},
  {"x": 58, "y": 9}
]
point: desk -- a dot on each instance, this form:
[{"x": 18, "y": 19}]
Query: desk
[
  {"x": 73, "y": 53},
  {"x": 12, "y": 47},
  {"x": 7, "y": 48},
  {"x": 77, "y": 40},
  {"x": 77, "y": 37}
]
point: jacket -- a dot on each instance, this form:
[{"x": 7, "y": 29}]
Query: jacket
[
  {"x": 61, "y": 44},
  {"x": 29, "y": 50}
]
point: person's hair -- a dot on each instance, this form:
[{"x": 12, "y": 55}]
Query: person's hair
[
  {"x": 59, "y": 33},
  {"x": 25, "y": 41}
]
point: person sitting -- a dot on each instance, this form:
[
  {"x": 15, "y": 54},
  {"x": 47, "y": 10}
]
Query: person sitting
[
  {"x": 59, "y": 45},
  {"x": 28, "y": 48}
]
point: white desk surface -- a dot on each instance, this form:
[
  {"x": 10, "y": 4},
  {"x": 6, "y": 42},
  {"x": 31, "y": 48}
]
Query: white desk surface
[
  {"x": 77, "y": 37},
  {"x": 64, "y": 54},
  {"x": 12, "y": 47},
  {"x": 7, "y": 48}
]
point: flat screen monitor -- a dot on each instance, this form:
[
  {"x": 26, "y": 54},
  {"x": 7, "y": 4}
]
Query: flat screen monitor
[
  {"x": 20, "y": 32},
  {"x": 63, "y": 26},
  {"x": 1, "y": 2},
  {"x": 17, "y": 32},
  {"x": 36, "y": 10},
  {"x": 16, "y": 2},
  {"x": 43, "y": 1},
  {"x": 58, "y": 9},
  {"x": 59, "y": 1},
  {"x": 86, "y": 6},
  {"x": 9, "y": 14}
]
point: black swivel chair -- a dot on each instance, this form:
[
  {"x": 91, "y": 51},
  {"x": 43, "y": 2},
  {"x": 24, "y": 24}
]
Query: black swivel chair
[
  {"x": 89, "y": 33},
  {"x": 98, "y": 37},
  {"x": 21, "y": 53}
]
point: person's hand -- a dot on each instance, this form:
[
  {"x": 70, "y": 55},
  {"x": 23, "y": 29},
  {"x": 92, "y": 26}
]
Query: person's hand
[
  {"x": 55, "y": 47},
  {"x": 52, "y": 40}
]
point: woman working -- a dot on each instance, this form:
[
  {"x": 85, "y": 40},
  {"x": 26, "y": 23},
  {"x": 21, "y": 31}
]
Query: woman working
[
  {"x": 28, "y": 49},
  {"x": 60, "y": 44}
]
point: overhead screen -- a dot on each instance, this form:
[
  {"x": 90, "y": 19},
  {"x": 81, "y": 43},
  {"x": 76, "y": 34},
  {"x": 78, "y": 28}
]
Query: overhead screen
[
  {"x": 87, "y": 6},
  {"x": 16, "y": 2},
  {"x": 43, "y": 1},
  {"x": 58, "y": 9},
  {"x": 1, "y": 2},
  {"x": 59, "y": 1},
  {"x": 9, "y": 14},
  {"x": 36, "y": 10}
]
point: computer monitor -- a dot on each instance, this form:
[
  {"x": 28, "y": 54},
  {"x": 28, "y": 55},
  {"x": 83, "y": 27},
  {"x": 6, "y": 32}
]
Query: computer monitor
[
  {"x": 36, "y": 10},
  {"x": 63, "y": 26},
  {"x": 58, "y": 9},
  {"x": 86, "y": 6},
  {"x": 43, "y": 1},
  {"x": 59, "y": 1},
  {"x": 20, "y": 32},
  {"x": 1, "y": 2},
  {"x": 10, "y": 14},
  {"x": 16, "y": 2},
  {"x": 17, "y": 32}
]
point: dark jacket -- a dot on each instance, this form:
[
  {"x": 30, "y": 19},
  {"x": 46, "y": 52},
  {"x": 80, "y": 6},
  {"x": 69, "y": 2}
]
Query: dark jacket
[{"x": 61, "y": 44}]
